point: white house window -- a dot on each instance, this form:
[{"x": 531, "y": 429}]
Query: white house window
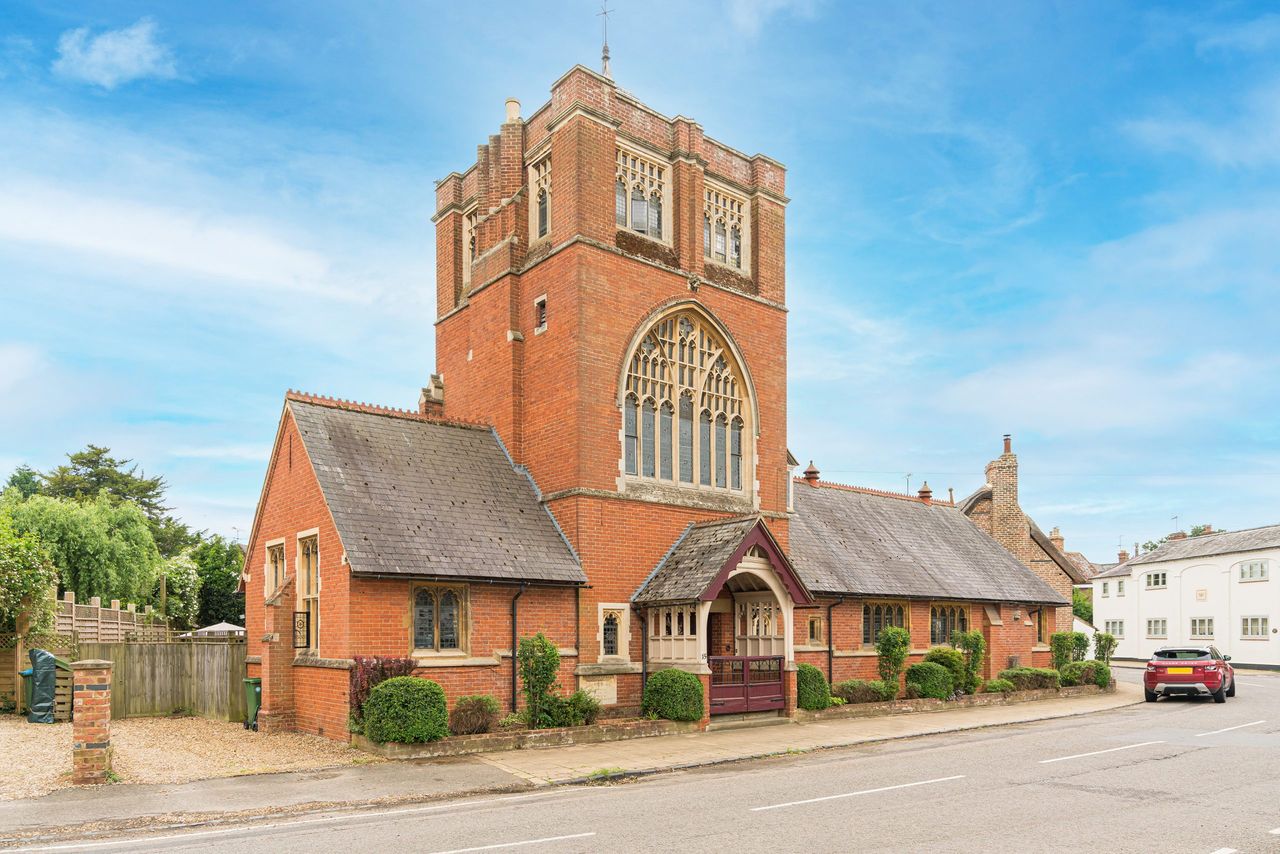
[
  {"x": 724, "y": 226},
  {"x": 1114, "y": 627},
  {"x": 275, "y": 569},
  {"x": 640, "y": 186},
  {"x": 1106, "y": 589},
  {"x": 1254, "y": 570},
  {"x": 1156, "y": 580},
  {"x": 540, "y": 193},
  {"x": 680, "y": 371},
  {"x": 1202, "y": 627},
  {"x": 1158, "y": 628},
  {"x": 438, "y": 618},
  {"x": 1120, "y": 588},
  {"x": 309, "y": 588},
  {"x": 1255, "y": 627}
]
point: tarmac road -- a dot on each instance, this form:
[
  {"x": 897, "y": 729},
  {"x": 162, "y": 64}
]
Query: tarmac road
[{"x": 1179, "y": 775}]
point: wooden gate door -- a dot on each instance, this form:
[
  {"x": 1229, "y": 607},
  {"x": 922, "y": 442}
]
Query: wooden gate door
[{"x": 745, "y": 683}]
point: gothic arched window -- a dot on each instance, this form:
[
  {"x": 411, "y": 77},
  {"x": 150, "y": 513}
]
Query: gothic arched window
[{"x": 686, "y": 416}]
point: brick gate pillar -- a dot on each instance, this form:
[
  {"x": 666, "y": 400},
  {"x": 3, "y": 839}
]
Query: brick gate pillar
[
  {"x": 91, "y": 721},
  {"x": 705, "y": 679}
]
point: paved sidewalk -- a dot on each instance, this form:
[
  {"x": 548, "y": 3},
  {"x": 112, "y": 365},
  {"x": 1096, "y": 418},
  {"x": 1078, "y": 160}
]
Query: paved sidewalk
[{"x": 105, "y": 809}]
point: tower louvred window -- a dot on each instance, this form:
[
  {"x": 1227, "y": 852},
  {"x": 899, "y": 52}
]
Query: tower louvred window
[{"x": 682, "y": 371}]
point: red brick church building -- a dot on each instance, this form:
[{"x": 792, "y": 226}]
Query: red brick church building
[{"x": 601, "y": 455}]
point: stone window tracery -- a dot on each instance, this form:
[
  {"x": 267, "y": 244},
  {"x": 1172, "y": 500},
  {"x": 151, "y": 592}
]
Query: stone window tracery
[
  {"x": 469, "y": 222},
  {"x": 877, "y": 616},
  {"x": 683, "y": 370},
  {"x": 724, "y": 226},
  {"x": 946, "y": 620},
  {"x": 640, "y": 188},
  {"x": 439, "y": 615},
  {"x": 540, "y": 193}
]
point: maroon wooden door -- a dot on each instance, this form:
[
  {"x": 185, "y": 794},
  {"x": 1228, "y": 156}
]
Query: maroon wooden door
[{"x": 745, "y": 683}]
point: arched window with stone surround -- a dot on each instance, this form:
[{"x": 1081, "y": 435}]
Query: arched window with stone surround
[{"x": 686, "y": 410}]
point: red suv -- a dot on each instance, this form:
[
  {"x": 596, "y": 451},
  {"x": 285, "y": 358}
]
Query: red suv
[{"x": 1199, "y": 671}]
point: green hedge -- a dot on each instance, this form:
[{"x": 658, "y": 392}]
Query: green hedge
[
  {"x": 812, "y": 691},
  {"x": 1060, "y": 645},
  {"x": 406, "y": 709},
  {"x": 1029, "y": 678},
  {"x": 952, "y": 659},
  {"x": 858, "y": 691},
  {"x": 1086, "y": 673},
  {"x": 998, "y": 686},
  {"x": 673, "y": 694},
  {"x": 931, "y": 680}
]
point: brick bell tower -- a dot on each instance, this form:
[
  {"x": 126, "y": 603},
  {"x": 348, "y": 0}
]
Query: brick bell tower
[{"x": 611, "y": 297}]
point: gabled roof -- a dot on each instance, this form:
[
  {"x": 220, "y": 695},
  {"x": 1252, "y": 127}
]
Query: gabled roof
[
  {"x": 858, "y": 542},
  {"x": 417, "y": 497},
  {"x": 698, "y": 563},
  {"x": 1207, "y": 545},
  {"x": 1073, "y": 571},
  {"x": 1114, "y": 570}
]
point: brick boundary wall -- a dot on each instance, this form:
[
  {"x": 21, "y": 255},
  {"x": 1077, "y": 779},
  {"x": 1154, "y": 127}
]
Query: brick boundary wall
[{"x": 91, "y": 722}]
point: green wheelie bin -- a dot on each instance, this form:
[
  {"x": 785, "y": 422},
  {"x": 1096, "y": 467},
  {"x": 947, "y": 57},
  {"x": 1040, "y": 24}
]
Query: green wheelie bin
[{"x": 252, "y": 701}]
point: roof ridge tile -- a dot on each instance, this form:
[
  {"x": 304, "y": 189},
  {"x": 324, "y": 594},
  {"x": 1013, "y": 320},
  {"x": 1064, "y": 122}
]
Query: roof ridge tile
[{"x": 377, "y": 409}]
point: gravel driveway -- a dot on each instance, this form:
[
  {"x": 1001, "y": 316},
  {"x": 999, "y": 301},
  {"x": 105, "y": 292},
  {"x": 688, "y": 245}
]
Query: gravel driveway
[{"x": 36, "y": 758}]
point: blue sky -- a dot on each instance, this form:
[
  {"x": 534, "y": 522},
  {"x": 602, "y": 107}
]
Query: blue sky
[{"x": 1058, "y": 220}]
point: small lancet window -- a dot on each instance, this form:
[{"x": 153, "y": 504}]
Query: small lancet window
[
  {"x": 620, "y": 203},
  {"x": 609, "y": 635},
  {"x": 542, "y": 213},
  {"x": 639, "y": 211}
]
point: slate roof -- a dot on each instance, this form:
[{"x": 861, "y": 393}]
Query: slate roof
[
  {"x": 845, "y": 540},
  {"x": 1114, "y": 570},
  {"x": 1227, "y": 542},
  {"x": 422, "y": 498},
  {"x": 694, "y": 560}
]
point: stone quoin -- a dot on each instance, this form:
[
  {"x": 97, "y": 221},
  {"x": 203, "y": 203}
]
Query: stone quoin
[{"x": 601, "y": 455}]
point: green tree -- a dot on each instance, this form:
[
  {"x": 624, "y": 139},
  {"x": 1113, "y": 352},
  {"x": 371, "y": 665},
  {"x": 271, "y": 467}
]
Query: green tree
[
  {"x": 219, "y": 562},
  {"x": 93, "y": 471},
  {"x": 25, "y": 479},
  {"x": 1082, "y": 605},
  {"x": 101, "y": 547},
  {"x": 27, "y": 578},
  {"x": 181, "y": 578}
]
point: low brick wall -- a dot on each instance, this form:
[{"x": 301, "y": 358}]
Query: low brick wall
[
  {"x": 928, "y": 704},
  {"x": 457, "y": 745}
]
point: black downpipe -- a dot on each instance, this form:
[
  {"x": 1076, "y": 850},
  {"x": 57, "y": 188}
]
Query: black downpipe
[
  {"x": 831, "y": 648},
  {"x": 644, "y": 651},
  {"x": 515, "y": 610}
]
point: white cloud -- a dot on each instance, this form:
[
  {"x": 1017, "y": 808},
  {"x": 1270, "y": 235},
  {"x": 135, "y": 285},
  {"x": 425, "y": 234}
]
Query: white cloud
[
  {"x": 223, "y": 248},
  {"x": 750, "y": 16},
  {"x": 1248, "y": 139},
  {"x": 225, "y": 453},
  {"x": 1249, "y": 37},
  {"x": 115, "y": 56}
]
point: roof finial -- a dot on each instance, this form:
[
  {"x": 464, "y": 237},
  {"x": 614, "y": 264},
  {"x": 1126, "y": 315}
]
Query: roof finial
[{"x": 603, "y": 14}]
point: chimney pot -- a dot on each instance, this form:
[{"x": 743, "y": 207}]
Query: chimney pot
[
  {"x": 1008, "y": 443},
  {"x": 951, "y": 495},
  {"x": 925, "y": 493},
  {"x": 1055, "y": 537},
  {"x": 811, "y": 474},
  {"x": 1208, "y": 529},
  {"x": 513, "y": 111}
]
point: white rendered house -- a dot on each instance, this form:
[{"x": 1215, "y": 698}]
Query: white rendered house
[{"x": 1216, "y": 588}]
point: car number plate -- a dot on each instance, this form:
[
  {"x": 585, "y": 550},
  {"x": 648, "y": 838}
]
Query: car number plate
[{"x": 1179, "y": 669}]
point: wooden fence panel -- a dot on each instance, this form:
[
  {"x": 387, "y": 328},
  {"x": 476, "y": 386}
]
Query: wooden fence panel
[{"x": 160, "y": 678}]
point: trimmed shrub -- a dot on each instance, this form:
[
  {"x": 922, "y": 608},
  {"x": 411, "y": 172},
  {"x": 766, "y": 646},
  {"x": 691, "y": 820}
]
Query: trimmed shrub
[
  {"x": 367, "y": 672},
  {"x": 912, "y": 692},
  {"x": 539, "y": 663},
  {"x": 858, "y": 691},
  {"x": 473, "y": 714},
  {"x": 952, "y": 659},
  {"x": 1086, "y": 673},
  {"x": 892, "y": 646},
  {"x": 406, "y": 709},
  {"x": 578, "y": 709},
  {"x": 812, "y": 691},
  {"x": 974, "y": 646},
  {"x": 1104, "y": 646},
  {"x": 1061, "y": 644},
  {"x": 1030, "y": 678},
  {"x": 998, "y": 686},
  {"x": 673, "y": 694},
  {"x": 931, "y": 680},
  {"x": 1079, "y": 646}
]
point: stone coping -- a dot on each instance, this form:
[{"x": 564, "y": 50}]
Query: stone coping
[
  {"x": 458, "y": 745},
  {"x": 928, "y": 704}
]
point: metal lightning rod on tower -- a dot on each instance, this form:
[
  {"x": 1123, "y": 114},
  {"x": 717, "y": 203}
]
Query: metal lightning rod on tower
[{"x": 603, "y": 15}]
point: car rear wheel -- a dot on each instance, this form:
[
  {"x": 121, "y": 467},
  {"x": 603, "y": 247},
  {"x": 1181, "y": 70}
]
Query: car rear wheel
[
  {"x": 1220, "y": 696},
  {"x": 1231, "y": 692},
  {"x": 1151, "y": 695}
]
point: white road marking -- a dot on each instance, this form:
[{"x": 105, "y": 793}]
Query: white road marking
[
  {"x": 854, "y": 794},
  {"x": 1224, "y": 851},
  {"x": 349, "y": 816},
  {"x": 528, "y": 842},
  {"x": 1096, "y": 752},
  {"x": 1228, "y": 729},
  {"x": 1275, "y": 832}
]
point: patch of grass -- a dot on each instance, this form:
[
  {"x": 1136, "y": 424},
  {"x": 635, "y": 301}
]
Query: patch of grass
[
  {"x": 113, "y": 777},
  {"x": 602, "y": 773}
]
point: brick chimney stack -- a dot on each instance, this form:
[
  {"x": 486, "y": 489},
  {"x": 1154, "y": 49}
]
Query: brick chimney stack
[
  {"x": 811, "y": 474},
  {"x": 1123, "y": 556},
  {"x": 1177, "y": 535},
  {"x": 1055, "y": 537},
  {"x": 1208, "y": 529},
  {"x": 1008, "y": 525},
  {"x": 925, "y": 493}
]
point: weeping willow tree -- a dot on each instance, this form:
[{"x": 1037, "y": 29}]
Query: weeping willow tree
[{"x": 101, "y": 547}]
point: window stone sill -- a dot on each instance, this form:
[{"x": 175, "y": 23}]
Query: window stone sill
[
  {"x": 455, "y": 661},
  {"x": 327, "y": 663}
]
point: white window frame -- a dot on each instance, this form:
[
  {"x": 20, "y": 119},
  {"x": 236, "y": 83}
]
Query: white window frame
[
  {"x": 1163, "y": 626},
  {"x": 1114, "y": 628},
  {"x": 1120, "y": 587},
  {"x": 1202, "y": 627},
  {"x": 1248, "y": 623},
  {"x": 1164, "y": 580},
  {"x": 1254, "y": 570},
  {"x": 1106, "y": 590}
]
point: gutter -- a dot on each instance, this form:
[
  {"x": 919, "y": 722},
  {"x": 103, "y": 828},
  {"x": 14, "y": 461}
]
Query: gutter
[
  {"x": 831, "y": 649},
  {"x": 515, "y": 611}
]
